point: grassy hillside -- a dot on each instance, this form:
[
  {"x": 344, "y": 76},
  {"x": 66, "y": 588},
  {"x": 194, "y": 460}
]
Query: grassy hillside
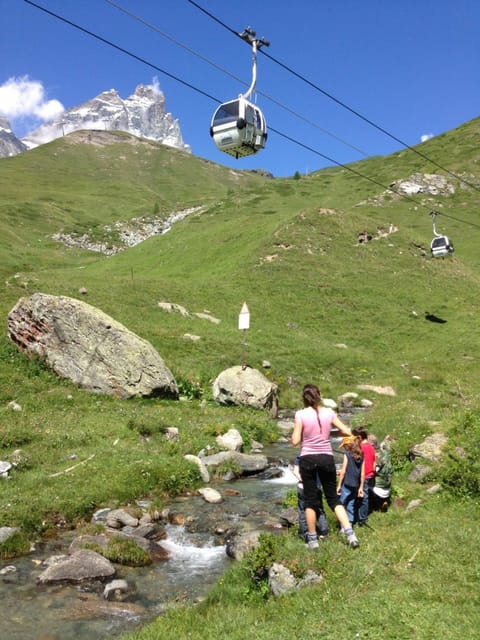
[{"x": 323, "y": 308}]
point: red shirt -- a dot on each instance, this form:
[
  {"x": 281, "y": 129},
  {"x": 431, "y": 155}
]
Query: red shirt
[{"x": 369, "y": 457}]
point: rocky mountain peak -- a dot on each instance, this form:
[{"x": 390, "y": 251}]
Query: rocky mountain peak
[
  {"x": 10, "y": 145},
  {"x": 142, "y": 114}
]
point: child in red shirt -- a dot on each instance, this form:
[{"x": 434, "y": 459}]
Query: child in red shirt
[{"x": 368, "y": 451}]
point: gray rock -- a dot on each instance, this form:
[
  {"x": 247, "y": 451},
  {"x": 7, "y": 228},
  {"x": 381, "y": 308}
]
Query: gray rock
[
  {"x": 4, "y": 468},
  {"x": 383, "y": 391},
  {"x": 289, "y": 517},
  {"x": 246, "y": 386},
  {"x": 10, "y": 568},
  {"x": 204, "y": 474},
  {"x": 118, "y": 518},
  {"x": 237, "y": 546},
  {"x": 101, "y": 515},
  {"x": 80, "y": 566},
  {"x": 430, "y": 449},
  {"x": 248, "y": 463},
  {"x": 231, "y": 440},
  {"x": 100, "y": 541},
  {"x": 115, "y": 590},
  {"x": 210, "y": 495},
  {"x": 413, "y": 504},
  {"x": 434, "y": 489},
  {"x": 419, "y": 472},
  {"x": 310, "y": 579},
  {"x": 280, "y": 579},
  {"x": 6, "y": 533},
  {"x": 88, "y": 347}
]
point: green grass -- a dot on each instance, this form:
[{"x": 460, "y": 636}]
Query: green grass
[
  {"x": 414, "y": 576},
  {"x": 288, "y": 248}
]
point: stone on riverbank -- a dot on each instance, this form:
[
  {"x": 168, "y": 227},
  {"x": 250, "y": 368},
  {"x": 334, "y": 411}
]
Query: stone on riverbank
[{"x": 80, "y": 566}]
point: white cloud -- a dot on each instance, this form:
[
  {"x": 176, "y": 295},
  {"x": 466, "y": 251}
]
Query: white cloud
[
  {"x": 156, "y": 85},
  {"x": 22, "y": 99},
  {"x": 426, "y": 136}
]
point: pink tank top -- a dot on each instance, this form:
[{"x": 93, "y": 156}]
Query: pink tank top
[{"x": 316, "y": 430}]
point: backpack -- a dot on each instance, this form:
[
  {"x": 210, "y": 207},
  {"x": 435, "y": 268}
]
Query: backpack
[{"x": 384, "y": 471}]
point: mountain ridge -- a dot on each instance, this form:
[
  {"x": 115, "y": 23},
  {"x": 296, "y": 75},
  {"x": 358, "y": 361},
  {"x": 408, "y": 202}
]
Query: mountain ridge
[{"x": 142, "y": 114}]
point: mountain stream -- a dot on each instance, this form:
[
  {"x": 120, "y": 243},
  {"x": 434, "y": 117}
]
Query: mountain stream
[{"x": 79, "y": 612}]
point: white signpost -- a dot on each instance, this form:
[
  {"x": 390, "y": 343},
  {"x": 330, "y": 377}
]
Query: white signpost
[{"x": 243, "y": 325}]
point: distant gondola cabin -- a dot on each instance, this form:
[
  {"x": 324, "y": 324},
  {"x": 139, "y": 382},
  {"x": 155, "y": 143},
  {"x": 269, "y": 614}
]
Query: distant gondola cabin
[
  {"x": 238, "y": 128},
  {"x": 441, "y": 246}
]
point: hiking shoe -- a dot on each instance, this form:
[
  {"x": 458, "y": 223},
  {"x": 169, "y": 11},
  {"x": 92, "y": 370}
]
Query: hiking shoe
[
  {"x": 352, "y": 540},
  {"x": 313, "y": 544}
]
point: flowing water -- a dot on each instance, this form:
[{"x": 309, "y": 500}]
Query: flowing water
[
  {"x": 198, "y": 559},
  {"x": 79, "y": 612}
]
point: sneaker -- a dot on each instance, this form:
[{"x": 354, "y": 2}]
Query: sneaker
[
  {"x": 312, "y": 542},
  {"x": 352, "y": 539}
]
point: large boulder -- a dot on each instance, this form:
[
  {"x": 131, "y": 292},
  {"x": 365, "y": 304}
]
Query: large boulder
[
  {"x": 248, "y": 463},
  {"x": 246, "y": 386},
  {"x": 88, "y": 347},
  {"x": 430, "y": 449},
  {"x": 80, "y": 566}
]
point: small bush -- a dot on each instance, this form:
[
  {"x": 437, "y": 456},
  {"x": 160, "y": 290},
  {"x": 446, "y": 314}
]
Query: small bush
[
  {"x": 121, "y": 551},
  {"x": 290, "y": 499},
  {"x": 229, "y": 466},
  {"x": 261, "y": 558},
  {"x": 189, "y": 389},
  {"x": 146, "y": 427},
  {"x": 177, "y": 479},
  {"x": 127, "y": 552},
  {"x": 459, "y": 471}
]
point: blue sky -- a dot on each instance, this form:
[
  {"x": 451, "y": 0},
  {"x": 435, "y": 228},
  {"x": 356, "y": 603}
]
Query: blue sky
[{"x": 409, "y": 66}]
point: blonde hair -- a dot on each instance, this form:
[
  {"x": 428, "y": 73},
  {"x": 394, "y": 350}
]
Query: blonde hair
[{"x": 354, "y": 445}]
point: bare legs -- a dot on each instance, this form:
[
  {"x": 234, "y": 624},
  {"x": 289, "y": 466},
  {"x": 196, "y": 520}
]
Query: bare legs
[{"x": 342, "y": 517}]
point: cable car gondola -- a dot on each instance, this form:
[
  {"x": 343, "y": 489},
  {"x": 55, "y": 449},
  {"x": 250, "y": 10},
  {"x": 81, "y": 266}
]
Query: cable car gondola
[
  {"x": 441, "y": 245},
  {"x": 238, "y": 127}
]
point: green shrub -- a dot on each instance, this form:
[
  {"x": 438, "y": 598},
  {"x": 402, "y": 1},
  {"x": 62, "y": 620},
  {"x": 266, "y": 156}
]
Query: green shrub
[
  {"x": 178, "y": 478},
  {"x": 121, "y": 551},
  {"x": 229, "y": 466},
  {"x": 189, "y": 388},
  {"x": 127, "y": 552},
  {"x": 290, "y": 499},
  {"x": 261, "y": 558},
  {"x": 146, "y": 426},
  {"x": 459, "y": 471}
]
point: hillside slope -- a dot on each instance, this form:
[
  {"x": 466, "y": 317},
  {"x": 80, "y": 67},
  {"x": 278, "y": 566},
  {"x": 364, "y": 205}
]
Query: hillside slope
[
  {"x": 288, "y": 247},
  {"x": 324, "y": 309}
]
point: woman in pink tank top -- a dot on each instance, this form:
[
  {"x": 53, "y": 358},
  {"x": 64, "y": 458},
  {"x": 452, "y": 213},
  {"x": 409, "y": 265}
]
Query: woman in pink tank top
[{"x": 312, "y": 429}]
